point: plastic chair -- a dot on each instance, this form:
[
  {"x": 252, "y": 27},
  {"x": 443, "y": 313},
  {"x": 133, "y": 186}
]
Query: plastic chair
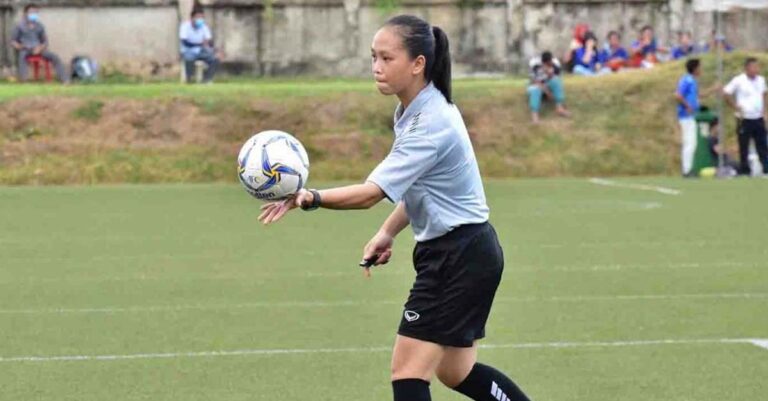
[{"x": 36, "y": 62}]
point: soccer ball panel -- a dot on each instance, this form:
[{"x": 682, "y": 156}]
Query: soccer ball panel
[{"x": 272, "y": 165}]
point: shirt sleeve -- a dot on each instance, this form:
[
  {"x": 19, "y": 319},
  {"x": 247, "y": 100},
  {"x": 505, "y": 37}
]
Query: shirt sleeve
[
  {"x": 412, "y": 155},
  {"x": 43, "y": 36},
  {"x": 16, "y": 35},
  {"x": 207, "y": 34},
  {"x": 683, "y": 87},
  {"x": 730, "y": 89},
  {"x": 183, "y": 34}
]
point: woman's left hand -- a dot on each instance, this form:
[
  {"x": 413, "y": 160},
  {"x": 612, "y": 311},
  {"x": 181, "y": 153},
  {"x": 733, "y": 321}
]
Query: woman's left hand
[{"x": 274, "y": 211}]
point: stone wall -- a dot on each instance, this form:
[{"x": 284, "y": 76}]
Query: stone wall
[{"x": 332, "y": 37}]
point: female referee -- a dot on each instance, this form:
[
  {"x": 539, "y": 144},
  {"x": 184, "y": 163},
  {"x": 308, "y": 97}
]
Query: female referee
[{"x": 432, "y": 175}]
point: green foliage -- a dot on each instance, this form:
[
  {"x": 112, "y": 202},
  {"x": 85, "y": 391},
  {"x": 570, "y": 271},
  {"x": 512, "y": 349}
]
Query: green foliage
[
  {"x": 387, "y": 6},
  {"x": 90, "y": 110}
]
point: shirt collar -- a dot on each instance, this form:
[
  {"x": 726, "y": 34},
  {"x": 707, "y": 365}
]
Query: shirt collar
[{"x": 402, "y": 118}]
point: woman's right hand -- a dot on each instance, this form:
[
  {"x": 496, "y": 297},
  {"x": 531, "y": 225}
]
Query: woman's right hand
[{"x": 274, "y": 211}]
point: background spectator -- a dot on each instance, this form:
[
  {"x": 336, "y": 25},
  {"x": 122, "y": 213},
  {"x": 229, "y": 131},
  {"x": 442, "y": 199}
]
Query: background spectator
[
  {"x": 576, "y": 43},
  {"x": 685, "y": 46},
  {"x": 586, "y": 58},
  {"x": 715, "y": 41},
  {"x": 645, "y": 49},
  {"x": 196, "y": 44},
  {"x": 546, "y": 81},
  {"x": 687, "y": 96},
  {"x": 749, "y": 92},
  {"x": 29, "y": 39},
  {"x": 614, "y": 56}
]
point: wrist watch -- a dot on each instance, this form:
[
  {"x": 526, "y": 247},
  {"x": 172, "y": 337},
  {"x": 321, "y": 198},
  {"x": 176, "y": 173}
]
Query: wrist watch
[{"x": 315, "y": 201}]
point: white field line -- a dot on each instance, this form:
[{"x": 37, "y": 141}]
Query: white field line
[
  {"x": 294, "y": 351},
  {"x": 335, "y": 304},
  {"x": 181, "y": 257},
  {"x": 353, "y": 272},
  {"x": 641, "y": 187},
  {"x": 760, "y": 343}
]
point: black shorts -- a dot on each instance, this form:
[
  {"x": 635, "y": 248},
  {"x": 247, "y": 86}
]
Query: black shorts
[{"x": 456, "y": 279}]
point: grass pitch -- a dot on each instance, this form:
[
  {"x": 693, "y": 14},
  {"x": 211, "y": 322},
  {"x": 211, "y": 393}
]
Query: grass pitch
[{"x": 174, "y": 292}]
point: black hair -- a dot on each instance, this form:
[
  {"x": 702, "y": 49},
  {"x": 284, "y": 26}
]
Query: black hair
[
  {"x": 195, "y": 10},
  {"x": 749, "y": 61},
  {"x": 612, "y": 33},
  {"x": 646, "y": 28},
  {"x": 422, "y": 39},
  {"x": 29, "y": 6},
  {"x": 546, "y": 57},
  {"x": 590, "y": 35},
  {"x": 691, "y": 65}
]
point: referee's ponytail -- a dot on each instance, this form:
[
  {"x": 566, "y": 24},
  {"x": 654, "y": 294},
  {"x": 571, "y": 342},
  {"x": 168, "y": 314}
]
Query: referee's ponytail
[
  {"x": 441, "y": 67},
  {"x": 420, "y": 38}
]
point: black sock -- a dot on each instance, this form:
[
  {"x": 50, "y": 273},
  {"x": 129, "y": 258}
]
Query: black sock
[
  {"x": 485, "y": 383},
  {"x": 411, "y": 390}
]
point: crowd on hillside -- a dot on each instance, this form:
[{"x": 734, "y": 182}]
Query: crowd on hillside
[
  {"x": 746, "y": 93},
  {"x": 586, "y": 57}
]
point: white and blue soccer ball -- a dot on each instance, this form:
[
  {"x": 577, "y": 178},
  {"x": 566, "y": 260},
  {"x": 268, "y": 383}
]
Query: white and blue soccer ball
[{"x": 272, "y": 165}]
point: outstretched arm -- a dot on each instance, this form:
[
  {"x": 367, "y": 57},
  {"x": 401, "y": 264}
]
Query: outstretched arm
[{"x": 359, "y": 196}]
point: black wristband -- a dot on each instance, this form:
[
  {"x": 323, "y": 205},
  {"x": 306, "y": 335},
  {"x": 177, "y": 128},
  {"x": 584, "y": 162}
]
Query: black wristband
[{"x": 315, "y": 201}]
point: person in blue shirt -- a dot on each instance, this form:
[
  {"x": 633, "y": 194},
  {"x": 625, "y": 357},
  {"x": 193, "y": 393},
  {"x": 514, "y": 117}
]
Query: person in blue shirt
[
  {"x": 685, "y": 46},
  {"x": 687, "y": 96},
  {"x": 196, "y": 44},
  {"x": 644, "y": 50},
  {"x": 586, "y": 59},
  {"x": 432, "y": 176},
  {"x": 716, "y": 41},
  {"x": 614, "y": 56}
]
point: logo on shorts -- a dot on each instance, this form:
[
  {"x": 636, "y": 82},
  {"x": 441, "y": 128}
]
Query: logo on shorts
[{"x": 411, "y": 315}]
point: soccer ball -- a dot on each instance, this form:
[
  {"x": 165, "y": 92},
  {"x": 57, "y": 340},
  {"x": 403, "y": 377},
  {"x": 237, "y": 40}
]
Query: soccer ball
[{"x": 272, "y": 165}]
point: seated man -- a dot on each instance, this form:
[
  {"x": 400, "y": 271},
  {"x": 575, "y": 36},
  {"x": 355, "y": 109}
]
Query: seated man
[
  {"x": 614, "y": 57},
  {"x": 29, "y": 39},
  {"x": 685, "y": 46},
  {"x": 645, "y": 49},
  {"x": 196, "y": 45},
  {"x": 545, "y": 80}
]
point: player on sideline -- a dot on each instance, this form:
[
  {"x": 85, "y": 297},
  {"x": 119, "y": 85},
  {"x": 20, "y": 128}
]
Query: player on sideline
[{"x": 431, "y": 173}]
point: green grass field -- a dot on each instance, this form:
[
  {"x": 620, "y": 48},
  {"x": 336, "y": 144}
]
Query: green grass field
[{"x": 174, "y": 292}]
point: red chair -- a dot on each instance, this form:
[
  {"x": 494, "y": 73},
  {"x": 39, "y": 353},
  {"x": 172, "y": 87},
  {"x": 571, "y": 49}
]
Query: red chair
[{"x": 37, "y": 61}]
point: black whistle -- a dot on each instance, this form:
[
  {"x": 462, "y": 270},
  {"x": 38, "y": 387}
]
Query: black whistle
[{"x": 366, "y": 263}]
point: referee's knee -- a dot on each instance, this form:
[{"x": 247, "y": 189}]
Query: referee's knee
[
  {"x": 451, "y": 378},
  {"x": 405, "y": 372}
]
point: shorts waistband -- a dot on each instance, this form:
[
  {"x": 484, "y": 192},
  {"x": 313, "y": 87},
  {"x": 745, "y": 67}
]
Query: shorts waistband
[{"x": 462, "y": 231}]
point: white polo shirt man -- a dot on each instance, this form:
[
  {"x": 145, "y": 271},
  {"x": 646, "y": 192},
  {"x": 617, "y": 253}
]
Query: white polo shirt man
[{"x": 746, "y": 93}]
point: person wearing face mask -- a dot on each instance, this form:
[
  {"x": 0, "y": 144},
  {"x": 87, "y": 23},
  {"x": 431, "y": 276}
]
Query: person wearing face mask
[
  {"x": 196, "y": 44},
  {"x": 29, "y": 39}
]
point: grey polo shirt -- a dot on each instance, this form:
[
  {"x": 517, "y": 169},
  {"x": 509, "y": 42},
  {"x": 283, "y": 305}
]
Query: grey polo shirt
[
  {"x": 30, "y": 35},
  {"x": 432, "y": 168}
]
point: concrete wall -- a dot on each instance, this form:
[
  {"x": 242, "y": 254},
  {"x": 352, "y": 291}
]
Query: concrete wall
[{"x": 332, "y": 37}]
